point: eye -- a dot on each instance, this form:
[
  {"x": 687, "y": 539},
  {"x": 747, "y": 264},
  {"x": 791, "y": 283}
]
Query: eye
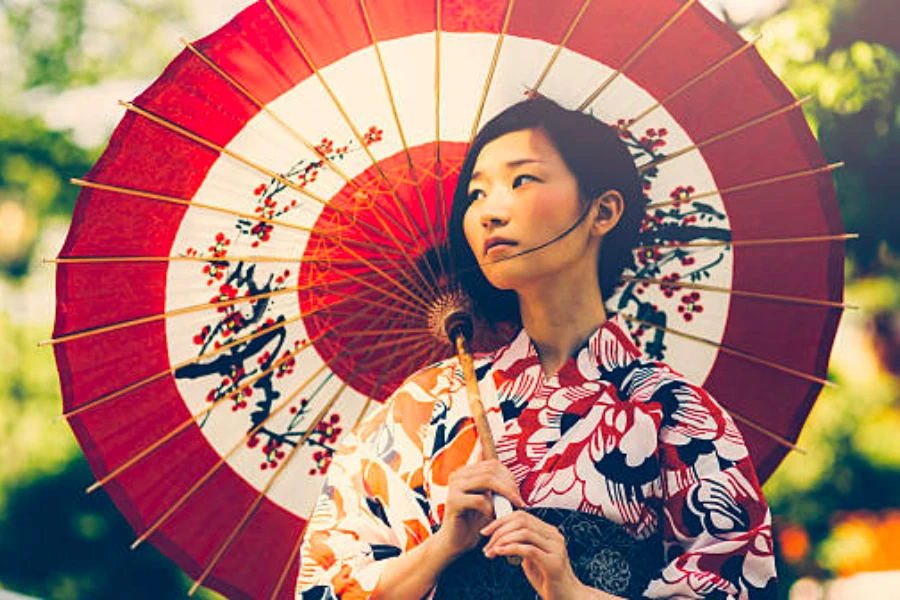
[
  {"x": 475, "y": 194},
  {"x": 523, "y": 178}
]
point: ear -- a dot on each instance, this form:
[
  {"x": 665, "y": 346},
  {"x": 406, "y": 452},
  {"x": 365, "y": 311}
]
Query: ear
[{"x": 609, "y": 208}]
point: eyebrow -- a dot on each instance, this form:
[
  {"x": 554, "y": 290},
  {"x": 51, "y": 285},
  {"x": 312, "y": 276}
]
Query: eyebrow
[{"x": 513, "y": 164}]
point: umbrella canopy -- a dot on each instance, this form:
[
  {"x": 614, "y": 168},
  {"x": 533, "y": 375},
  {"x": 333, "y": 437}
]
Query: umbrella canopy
[{"x": 254, "y": 262}]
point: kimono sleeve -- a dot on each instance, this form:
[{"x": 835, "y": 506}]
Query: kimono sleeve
[
  {"x": 717, "y": 529},
  {"x": 373, "y": 506}
]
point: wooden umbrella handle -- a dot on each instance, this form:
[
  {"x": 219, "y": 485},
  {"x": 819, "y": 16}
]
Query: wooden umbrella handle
[{"x": 502, "y": 506}]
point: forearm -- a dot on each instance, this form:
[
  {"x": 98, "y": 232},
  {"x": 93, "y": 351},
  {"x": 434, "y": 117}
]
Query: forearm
[{"x": 412, "y": 574}]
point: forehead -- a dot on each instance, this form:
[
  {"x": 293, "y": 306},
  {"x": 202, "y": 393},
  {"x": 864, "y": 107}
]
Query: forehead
[{"x": 515, "y": 147}]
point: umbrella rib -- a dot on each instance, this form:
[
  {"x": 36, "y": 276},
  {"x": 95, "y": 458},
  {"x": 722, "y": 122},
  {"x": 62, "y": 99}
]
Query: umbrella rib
[
  {"x": 637, "y": 53},
  {"x": 747, "y": 186},
  {"x": 493, "y": 67},
  {"x": 389, "y": 307},
  {"x": 748, "y": 294},
  {"x": 193, "y": 418},
  {"x": 396, "y": 114},
  {"x": 761, "y": 242},
  {"x": 263, "y": 492},
  {"x": 766, "y": 431},
  {"x": 271, "y": 113},
  {"x": 101, "y": 400},
  {"x": 695, "y": 80},
  {"x": 223, "y": 459},
  {"x": 192, "y": 204},
  {"x": 439, "y": 169},
  {"x": 290, "y": 561},
  {"x": 725, "y": 134},
  {"x": 171, "y": 126},
  {"x": 411, "y": 224},
  {"x": 562, "y": 44},
  {"x": 88, "y": 260},
  {"x": 171, "y": 313},
  {"x": 734, "y": 352},
  {"x": 379, "y": 210}
]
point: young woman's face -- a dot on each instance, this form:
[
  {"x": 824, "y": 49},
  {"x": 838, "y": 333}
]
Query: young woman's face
[{"x": 522, "y": 196}]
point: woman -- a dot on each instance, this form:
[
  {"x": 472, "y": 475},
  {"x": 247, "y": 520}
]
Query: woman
[{"x": 635, "y": 482}]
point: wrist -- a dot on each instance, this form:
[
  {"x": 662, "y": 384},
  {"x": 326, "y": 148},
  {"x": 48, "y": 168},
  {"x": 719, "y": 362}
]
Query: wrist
[{"x": 440, "y": 548}]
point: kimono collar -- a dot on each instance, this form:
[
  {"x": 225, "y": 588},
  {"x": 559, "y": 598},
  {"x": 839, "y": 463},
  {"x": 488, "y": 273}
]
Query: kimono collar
[{"x": 609, "y": 347}]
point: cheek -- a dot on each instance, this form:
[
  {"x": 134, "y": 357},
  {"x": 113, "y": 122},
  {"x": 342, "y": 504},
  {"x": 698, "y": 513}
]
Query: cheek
[{"x": 470, "y": 227}]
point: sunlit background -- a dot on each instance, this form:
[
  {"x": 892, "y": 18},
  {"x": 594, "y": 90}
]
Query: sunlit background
[{"x": 65, "y": 63}]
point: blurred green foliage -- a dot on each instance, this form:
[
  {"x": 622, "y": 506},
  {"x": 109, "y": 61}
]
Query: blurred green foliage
[{"x": 55, "y": 542}]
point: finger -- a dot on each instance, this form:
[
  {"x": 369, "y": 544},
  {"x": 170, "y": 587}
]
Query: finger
[
  {"x": 488, "y": 476},
  {"x": 527, "y": 552},
  {"x": 526, "y": 536},
  {"x": 476, "y": 503}
]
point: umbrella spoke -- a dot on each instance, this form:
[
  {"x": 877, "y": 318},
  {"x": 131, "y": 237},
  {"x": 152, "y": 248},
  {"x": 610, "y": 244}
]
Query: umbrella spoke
[
  {"x": 637, "y": 53},
  {"x": 91, "y": 260},
  {"x": 166, "y": 123},
  {"x": 202, "y": 413},
  {"x": 753, "y": 184},
  {"x": 490, "y": 75},
  {"x": 390, "y": 94},
  {"x": 410, "y": 222},
  {"x": 223, "y": 458},
  {"x": 439, "y": 168},
  {"x": 695, "y": 80},
  {"x": 735, "y": 352},
  {"x": 562, "y": 44},
  {"x": 191, "y": 204},
  {"x": 768, "y": 242},
  {"x": 291, "y": 561},
  {"x": 747, "y": 294},
  {"x": 377, "y": 209},
  {"x": 656, "y": 163},
  {"x": 99, "y": 401}
]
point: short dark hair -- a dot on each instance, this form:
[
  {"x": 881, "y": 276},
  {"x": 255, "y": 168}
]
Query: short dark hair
[{"x": 600, "y": 161}]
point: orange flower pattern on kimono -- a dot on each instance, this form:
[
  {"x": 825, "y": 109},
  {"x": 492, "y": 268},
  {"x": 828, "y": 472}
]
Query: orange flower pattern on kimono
[{"x": 610, "y": 434}]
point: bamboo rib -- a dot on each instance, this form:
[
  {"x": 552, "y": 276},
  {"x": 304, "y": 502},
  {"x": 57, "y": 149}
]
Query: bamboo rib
[
  {"x": 101, "y": 400},
  {"x": 562, "y": 44},
  {"x": 165, "y": 315},
  {"x": 390, "y": 94},
  {"x": 389, "y": 307},
  {"x": 193, "y": 419},
  {"x": 747, "y": 294},
  {"x": 231, "y": 80},
  {"x": 175, "y": 506},
  {"x": 94, "y": 260},
  {"x": 737, "y": 353},
  {"x": 209, "y": 305},
  {"x": 291, "y": 561},
  {"x": 306, "y": 57},
  {"x": 637, "y": 54},
  {"x": 725, "y": 134},
  {"x": 751, "y": 243},
  {"x": 766, "y": 431},
  {"x": 236, "y": 213},
  {"x": 439, "y": 167},
  {"x": 695, "y": 80},
  {"x": 753, "y": 184},
  {"x": 268, "y": 172},
  {"x": 490, "y": 76},
  {"x": 264, "y": 492},
  {"x": 265, "y": 108}
]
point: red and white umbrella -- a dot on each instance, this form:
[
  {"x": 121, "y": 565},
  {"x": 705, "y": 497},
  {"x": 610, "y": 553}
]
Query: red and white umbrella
[{"x": 253, "y": 263}]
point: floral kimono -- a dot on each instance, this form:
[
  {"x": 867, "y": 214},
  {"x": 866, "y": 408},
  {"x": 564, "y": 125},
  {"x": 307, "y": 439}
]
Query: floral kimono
[{"x": 611, "y": 436}]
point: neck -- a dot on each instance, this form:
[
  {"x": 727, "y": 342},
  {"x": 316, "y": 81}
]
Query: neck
[{"x": 559, "y": 317}]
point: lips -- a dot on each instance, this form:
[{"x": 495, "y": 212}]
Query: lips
[{"x": 497, "y": 242}]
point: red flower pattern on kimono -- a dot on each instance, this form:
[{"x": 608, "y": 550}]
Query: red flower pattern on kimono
[{"x": 610, "y": 434}]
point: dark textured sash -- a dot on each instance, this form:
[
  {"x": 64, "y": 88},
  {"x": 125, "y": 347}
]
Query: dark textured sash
[{"x": 603, "y": 556}]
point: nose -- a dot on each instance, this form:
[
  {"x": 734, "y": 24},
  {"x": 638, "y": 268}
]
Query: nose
[{"x": 495, "y": 210}]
